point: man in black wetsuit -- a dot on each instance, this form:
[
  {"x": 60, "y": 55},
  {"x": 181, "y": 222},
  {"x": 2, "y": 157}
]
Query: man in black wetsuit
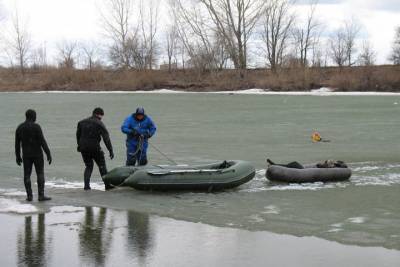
[
  {"x": 29, "y": 135},
  {"x": 89, "y": 133}
]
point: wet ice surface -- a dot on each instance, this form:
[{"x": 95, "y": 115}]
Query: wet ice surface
[
  {"x": 343, "y": 211},
  {"x": 92, "y": 236}
]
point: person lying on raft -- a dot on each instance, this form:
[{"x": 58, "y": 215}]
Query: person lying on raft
[{"x": 325, "y": 164}]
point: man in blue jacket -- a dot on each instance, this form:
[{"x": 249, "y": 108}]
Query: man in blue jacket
[{"x": 139, "y": 128}]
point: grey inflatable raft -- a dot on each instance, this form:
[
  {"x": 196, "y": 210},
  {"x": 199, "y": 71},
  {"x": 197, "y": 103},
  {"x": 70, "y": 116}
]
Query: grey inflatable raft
[
  {"x": 309, "y": 174},
  {"x": 211, "y": 177}
]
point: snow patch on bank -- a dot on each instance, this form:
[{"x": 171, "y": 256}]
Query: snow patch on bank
[
  {"x": 323, "y": 91},
  {"x": 13, "y": 206}
]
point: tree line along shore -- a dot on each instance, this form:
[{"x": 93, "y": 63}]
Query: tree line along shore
[
  {"x": 366, "y": 78},
  {"x": 203, "y": 46}
]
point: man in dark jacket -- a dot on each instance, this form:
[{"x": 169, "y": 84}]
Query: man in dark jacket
[
  {"x": 89, "y": 133},
  {"x": 29, "y": 135}
]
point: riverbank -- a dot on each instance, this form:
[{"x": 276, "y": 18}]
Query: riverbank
[
  {"x": 346, "y": 79},
  {"x": 94, "y": 236}
]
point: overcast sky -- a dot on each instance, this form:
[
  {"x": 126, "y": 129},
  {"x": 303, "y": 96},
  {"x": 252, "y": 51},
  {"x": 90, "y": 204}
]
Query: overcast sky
[{"x": 50, "y": 21}]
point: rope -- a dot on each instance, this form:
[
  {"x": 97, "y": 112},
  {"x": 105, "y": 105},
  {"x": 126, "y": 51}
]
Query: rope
[
  {"x": 140, "y": 148},
  {"x": 165, "y": 156}
]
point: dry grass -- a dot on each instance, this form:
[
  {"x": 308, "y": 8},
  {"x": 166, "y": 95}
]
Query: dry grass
[{"x": 376, "y": 78}]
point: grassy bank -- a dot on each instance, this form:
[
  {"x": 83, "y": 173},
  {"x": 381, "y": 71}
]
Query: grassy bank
[{"x": 373, "y": 78}]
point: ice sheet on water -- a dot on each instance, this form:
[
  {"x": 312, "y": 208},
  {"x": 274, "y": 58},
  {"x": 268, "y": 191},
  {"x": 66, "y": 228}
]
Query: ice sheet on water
[
  {"x": 14, "y": 206},
  {"x": 67, "y": 209},
  {"x": 357, "y": 219},
  {"x": 13, "y": 192},
  {"x": 271, "y": 209},
  {"x": 62, "y": 183}
]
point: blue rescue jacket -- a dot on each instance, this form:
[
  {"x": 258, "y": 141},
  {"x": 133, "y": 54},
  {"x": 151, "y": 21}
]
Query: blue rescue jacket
[{"x": 145, "y": 127}]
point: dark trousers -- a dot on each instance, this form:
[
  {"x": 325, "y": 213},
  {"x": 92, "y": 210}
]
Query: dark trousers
[
  {"x": 292, "y": 165},
  {"x": 140, "y": 158},
  {"x": 89, "y": 158},
  {"x": 38, "y": 162}
]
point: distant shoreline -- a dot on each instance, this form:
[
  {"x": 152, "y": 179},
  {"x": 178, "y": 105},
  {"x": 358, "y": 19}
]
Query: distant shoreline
[
  {"x": 375, "y": 79},
  {"x": 316, "y": 92}
]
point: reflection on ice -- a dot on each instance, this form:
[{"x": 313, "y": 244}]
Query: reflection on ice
[{"x": 103, "y": 237}]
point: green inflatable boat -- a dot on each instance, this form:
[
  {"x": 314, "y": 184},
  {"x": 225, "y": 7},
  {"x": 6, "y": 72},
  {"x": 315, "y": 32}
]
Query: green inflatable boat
[{"x": 210, "y": 177}]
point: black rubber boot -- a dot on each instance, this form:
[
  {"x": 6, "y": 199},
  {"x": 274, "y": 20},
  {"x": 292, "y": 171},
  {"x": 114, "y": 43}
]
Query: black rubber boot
[
  {"x": 109, "y": 187},
  {"x": 44, "y": 198},
  {"x": 87, "y": 183},
  {"x": 86, "y": 177},
  {"x": 28, "y": 188}
]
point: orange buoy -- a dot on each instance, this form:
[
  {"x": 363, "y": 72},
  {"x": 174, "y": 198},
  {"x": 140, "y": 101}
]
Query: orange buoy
[{"x": 316, "y": 137}]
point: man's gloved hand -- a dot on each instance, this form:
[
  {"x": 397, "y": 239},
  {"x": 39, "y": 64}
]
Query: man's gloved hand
[
  {"x": 19, "y": 161},
  {"x": 49, "y": 159},
  {"x": 111, "y": 154},
  {"x": 147, "y": 135},
  {"x": 78, "y": 149},
  {"x": 134, "y": 132}
]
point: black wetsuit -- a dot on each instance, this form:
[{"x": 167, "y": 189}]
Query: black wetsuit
[
  {"x": 29, "y": 135},
  {"x": 292, "y": 165},
  {"x": 89, "y": 133}
]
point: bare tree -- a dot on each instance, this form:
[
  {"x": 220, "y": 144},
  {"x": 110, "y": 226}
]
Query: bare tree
[
  {"x": 90, "y": 53},
  {"x": 39, "y": 56},
  {"x": 20, "y": 41},
  {"x": 149, "y": 27},
  {"x": 307, "y": 37},
  {"x": 116, "y": 19},
  {"x": 202, "y": 22},
  {"x": 337, "y": 47},
  {"x": 368, "y": 55},
  {"x": 343, "y": 43},
  {"x": 352, "y": 28},
  {"x": 171, "y": 43},
  {"x": 195, "y": 36},
  {"x": 277, "y": 22},
  {"x": 68, "y": 54},
  {"x": 235, "y": 21},
  {"x": 319, "y": 55},
  {"x": 395, "y": 54}
]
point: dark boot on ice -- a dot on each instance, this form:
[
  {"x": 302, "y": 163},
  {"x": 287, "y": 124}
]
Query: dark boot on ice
[
  {"x": 109, "y": 187},
  {"x": 87, "y": 183},
  {"x": 44, "y": 198},
  {"x": 28, "y": 189}
]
